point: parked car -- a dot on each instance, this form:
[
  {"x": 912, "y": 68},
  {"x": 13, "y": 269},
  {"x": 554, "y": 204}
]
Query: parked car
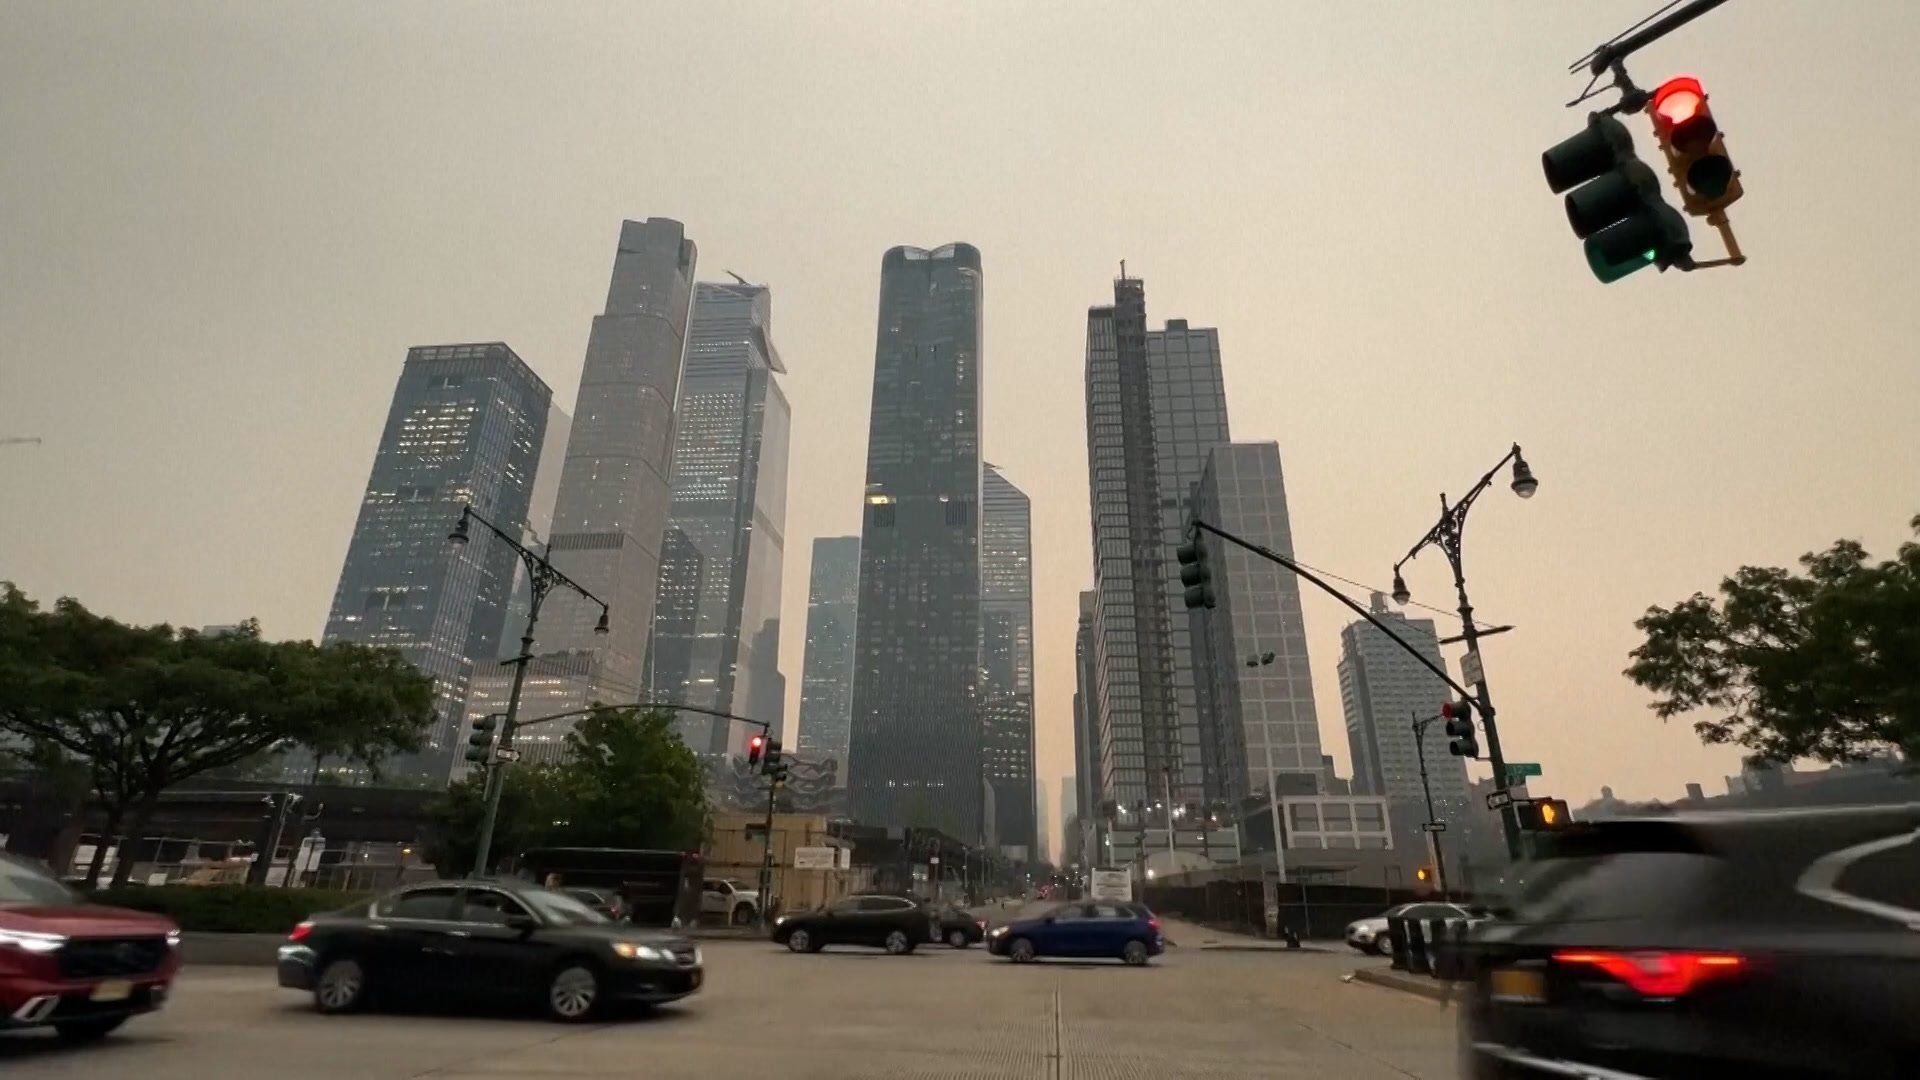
[
  {"x": 893, "y": 923},
  {"x": 658, "y": 888},
  {"x": 1763, "y": 944},
  {"x": 960, "y": 928},
  {"x": 485, "y": 939},
  {"x": 732, "y": 902},
  {"x": 1122, "y": 931},
  {"x": 605, "y": 901},
  {"x": 79, "y": 968},
  {"x": 1370, "y": 935}
]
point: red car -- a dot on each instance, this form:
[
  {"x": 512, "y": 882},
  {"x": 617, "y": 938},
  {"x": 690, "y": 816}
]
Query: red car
[{"x": 76, "y": 967}]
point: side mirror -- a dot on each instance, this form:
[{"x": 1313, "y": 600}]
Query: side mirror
[
  {"x": 1048, "y": 919},
  {"x": 525, "y": 924}
]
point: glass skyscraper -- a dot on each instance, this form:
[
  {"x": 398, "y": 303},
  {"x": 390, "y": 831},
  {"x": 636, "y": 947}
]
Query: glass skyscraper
[
  {"x": 826, "y": 685},
  {"x": 611, "y": 511},
  {"x": 1260, "y": 730},
  {"x": 466, "y": 427},
  {"x": 915, "y": 746},
  {"x": 1383, "y": 690},
  {"x": 716, "y": 634},
  {"x": 1006, "y": 657},
  {"x": 1156, "y": 405}
]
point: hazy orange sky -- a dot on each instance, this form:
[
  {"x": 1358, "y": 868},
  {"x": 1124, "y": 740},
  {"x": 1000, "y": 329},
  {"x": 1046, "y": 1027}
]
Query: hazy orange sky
[{"x": 222, "y": 225}]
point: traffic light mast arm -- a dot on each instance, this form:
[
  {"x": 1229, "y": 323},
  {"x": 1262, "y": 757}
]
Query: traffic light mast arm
[
  {"x": 1300, "y": 571},
  {"x": 1613, "y": 52}
]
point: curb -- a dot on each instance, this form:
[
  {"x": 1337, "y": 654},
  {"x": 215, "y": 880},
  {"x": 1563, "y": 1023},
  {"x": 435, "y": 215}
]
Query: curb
[{"x": 1432, "y": 989}]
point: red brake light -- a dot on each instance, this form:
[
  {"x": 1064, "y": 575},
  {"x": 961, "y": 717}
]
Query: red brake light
[
  {"x": 1658, "y": 974},
  {"x": 1153, "y": 923},
  {"x": 982, "y": 922},
  {"x": 300, "y": 932}
]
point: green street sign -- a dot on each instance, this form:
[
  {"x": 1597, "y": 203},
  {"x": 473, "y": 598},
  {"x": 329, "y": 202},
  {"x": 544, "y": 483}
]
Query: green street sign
[{"x": 1520, "y": 770}]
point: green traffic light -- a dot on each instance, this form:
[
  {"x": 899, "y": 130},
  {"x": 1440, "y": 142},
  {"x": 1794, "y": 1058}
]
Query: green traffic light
[{"x": 1610, "y": 272}]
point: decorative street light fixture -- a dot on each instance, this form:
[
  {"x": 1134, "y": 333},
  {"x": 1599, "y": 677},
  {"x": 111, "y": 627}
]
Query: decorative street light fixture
[
  {"x": 542, "y": 579},
  {"x": 1447, "y": 534}
]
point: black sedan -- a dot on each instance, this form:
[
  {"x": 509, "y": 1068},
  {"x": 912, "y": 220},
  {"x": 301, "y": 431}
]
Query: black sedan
[
  {"x": 1765, "y": 944},
  {"x": 960, "y": 928},
  {"x": 485, "y": 939},
  {"x": 893, "y": 923}
]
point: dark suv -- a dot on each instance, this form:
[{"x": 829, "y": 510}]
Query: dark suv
[
  {"x": 1761, "y": 944},
  {"x": 76, "y": 967}
]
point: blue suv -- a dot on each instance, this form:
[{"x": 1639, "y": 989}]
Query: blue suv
[{"x": 1120, "y": 931}]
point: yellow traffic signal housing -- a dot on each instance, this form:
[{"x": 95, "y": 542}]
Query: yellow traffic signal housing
[{"x": 1696, "y": 150}]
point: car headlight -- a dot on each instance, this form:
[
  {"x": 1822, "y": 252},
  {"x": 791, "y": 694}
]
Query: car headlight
[
  {"x": 31, "y": 941},
  {"x": 173, "y": 939},
  {"x": 633, "y": 950},
  {"x": 997, "y": 931}
]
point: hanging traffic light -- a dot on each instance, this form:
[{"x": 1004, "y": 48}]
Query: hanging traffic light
[
  {"x": 1696, "y": 151},
  {"x": 1195, "y": 574},
  {"x": 1459, "y": 714},
  {"x": 1613, "y": 202},
  {"x": 772, "y": 761},
  {"x": 778, "y": 773},
  {"x": 755, "y": 745},
  {"x": 1544, "y": 815},
  {"x": 480, "y": 740}
]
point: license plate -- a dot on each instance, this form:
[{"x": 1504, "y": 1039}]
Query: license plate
[
  {"x": 112, "y": 990},
  {"x": 1520, "y": 986}
]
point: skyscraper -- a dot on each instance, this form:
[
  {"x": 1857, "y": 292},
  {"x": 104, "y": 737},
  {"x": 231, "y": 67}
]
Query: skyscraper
[
  {"x": 1006, "y": 658},
  {"x": 466, "y": 426},
  {"x": 1250, "y": 653},
  {"x": 1382, "y": 690},
  {"x": 826, "y": 683},
  {"x": 716, "y": 634},
  {"x": 611, "y": 511},
  {"x": 915, "y": 745},
  {"x": 1086, "y": 733},
  {"x": 1156, "y": 404}
]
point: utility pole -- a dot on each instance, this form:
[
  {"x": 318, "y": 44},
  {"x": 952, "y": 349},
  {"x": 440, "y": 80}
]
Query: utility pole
[
  {"x": 542, "y": 579},
  {"x": 1433, "y": 835}
]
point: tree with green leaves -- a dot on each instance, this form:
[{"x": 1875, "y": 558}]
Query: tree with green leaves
[
  {"x": 1823, "y": 663},
  {"x": 627, "y": 781},
  {"x": 142, "y": 708}
]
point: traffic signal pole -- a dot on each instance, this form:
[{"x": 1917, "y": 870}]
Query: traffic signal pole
[{"x": 1433, "y": 836}]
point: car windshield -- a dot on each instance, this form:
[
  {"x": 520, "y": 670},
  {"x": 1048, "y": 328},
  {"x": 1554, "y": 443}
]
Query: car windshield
[
  {"x": 22, "y": 884},
  {"x": 559, "y": 909}
]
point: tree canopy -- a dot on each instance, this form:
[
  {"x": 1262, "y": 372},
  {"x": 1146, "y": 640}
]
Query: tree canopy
[
  {"x": 627, "y": 781},
  {"x": 1823, "y": 663},
  {"x": 142, "y": 708}
]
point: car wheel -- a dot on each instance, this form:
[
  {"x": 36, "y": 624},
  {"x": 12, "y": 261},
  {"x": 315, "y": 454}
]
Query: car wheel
[
  {"x": 574, "y": 993},
  {"x": 81, "y": 1031},
  {"x": 958, "y": 939},
  {"x": 1135, "y": 954},
  {"x": 341, "y": 986},
  {"x": 800, "y": 941},
  {"x": 898, "y": 943},
  {"x": 742, "y": 915},
  {"x": 1020, "y": 951},
  {"x": 1383, "y": 945}
]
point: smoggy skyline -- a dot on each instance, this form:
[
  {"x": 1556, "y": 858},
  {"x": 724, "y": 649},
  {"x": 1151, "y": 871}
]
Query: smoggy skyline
[{"x": 226, "y": 224}]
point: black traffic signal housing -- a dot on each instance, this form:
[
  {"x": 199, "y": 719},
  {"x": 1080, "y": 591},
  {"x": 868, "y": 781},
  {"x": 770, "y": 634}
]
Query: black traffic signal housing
[
  {"x": 771, "y": 761},
  {"x": 1696, "y": 151},
  {"x": 1544, "y": 815},
  {"x": 480, "y": 739},
  {"x": 1463, "y": 742},
  {"x": 1195, "y": 574},
  {"x": 756, "y": 744},
  {"x": 777, "y": 774},
  {"x": 1614, "y": 203}
]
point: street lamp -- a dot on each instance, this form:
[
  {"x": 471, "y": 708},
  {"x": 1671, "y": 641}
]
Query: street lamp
[
  {"x": 1447, "y": 534},
  {"x": 542, "y": 578}
]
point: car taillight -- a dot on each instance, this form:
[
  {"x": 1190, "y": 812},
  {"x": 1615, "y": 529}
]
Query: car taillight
[
  {"x": 982, "y": 923},
  {"x": 1153, "y": 923},
  {"x": 300, "y": 932},
  {"x": 1657, "y": 974}
]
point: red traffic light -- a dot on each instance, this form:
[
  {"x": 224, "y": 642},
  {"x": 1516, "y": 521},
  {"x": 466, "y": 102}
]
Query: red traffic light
[
  {"x": 755, "y": 746},
  {"x": 1681, "y": 115}
]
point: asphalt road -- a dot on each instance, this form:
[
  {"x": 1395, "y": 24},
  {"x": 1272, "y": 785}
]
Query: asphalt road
[{"x": 770, "y": 1014}]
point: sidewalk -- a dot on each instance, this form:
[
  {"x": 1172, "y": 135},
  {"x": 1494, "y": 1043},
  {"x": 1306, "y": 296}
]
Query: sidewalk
[
  {"x": 1183, "y": 934},
  {"x": 1421, "y": 985}
]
